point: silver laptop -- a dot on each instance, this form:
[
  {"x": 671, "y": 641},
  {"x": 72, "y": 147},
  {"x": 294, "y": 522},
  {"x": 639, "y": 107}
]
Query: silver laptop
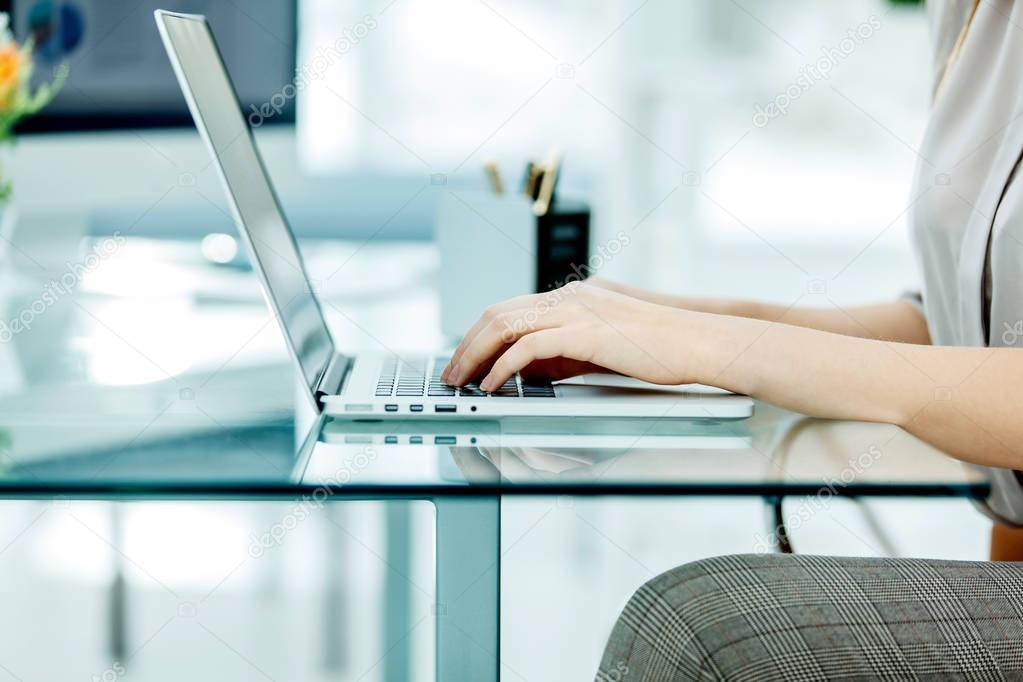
[{"x": 384, "y": 385}]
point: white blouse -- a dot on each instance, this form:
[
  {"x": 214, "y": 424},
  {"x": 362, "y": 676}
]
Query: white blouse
[{"x": 967, "y": 204}]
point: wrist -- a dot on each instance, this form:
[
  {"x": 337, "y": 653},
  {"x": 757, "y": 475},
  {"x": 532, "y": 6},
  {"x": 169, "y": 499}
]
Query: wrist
[
  {"x": 719, "y": 306},
  {"x": 695, "y": 332},
  {"x": 716, "y": 349}
]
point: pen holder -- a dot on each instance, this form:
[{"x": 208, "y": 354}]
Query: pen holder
[{"x": 493, "y": 247}]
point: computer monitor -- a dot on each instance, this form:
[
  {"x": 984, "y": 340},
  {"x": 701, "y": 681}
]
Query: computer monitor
[{"x": 120, "y": 77}]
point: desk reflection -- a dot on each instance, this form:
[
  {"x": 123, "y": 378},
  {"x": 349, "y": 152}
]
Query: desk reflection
[{"x": 775, "y": 448}]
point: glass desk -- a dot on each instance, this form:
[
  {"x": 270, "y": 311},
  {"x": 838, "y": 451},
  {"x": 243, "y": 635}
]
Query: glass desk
[
  {"x": 466, "y": 468},
  {"x": 184, "y": 393}
]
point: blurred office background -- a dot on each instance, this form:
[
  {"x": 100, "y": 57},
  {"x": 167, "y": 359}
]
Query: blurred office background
[{"x": 395, "y": 102}]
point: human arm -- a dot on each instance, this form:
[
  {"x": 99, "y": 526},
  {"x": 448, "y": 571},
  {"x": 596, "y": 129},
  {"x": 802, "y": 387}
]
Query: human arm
[
  {"x": 894, "y": 321},
  {"x": 962, "y": 400}
]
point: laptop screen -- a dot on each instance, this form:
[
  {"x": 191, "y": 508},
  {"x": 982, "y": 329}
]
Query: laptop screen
[{"x": 257, "y": 212}]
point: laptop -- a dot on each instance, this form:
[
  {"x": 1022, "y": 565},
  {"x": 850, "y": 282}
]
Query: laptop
[{"x": 386, "y": 384}]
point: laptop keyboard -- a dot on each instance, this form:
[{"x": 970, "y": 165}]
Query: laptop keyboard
[{"x": 417, "y": 377}]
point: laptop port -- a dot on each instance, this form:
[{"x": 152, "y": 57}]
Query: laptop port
[
  {"x": 445, "y": 440},
  {"x": 415, "y": 408},
  {"x": 445, "y": 408},
  {"x": 391, "y": 408},
  {"x": 391, "y": 440},
  {"x": 415, "y": 440}
]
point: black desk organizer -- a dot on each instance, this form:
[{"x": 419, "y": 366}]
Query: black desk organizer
[{"x": 562, "y": 245}]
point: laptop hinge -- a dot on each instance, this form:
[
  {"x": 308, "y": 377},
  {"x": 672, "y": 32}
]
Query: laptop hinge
[{"x": 333, "y": 377}]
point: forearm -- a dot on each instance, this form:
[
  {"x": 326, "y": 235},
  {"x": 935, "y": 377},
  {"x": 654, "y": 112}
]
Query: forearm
[
  {"x": 959, "y": 399},
  {"x": 895, "y": 321}
]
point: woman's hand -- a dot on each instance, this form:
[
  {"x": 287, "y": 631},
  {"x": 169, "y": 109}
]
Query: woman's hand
[{"x": 576, "y": 329}]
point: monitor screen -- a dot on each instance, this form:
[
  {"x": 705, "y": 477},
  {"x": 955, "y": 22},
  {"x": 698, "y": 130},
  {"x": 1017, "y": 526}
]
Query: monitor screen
[
  {"x": 119, "y": 74},
  {"x": 257, "y": 210}
]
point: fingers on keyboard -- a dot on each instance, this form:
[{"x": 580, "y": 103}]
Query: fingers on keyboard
[{"x": 408, "y": 378}]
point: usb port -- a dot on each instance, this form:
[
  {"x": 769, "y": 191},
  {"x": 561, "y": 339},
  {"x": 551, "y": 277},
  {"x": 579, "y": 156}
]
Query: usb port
[
  {"x": 416, "y": 408},
  {"x": 415, "y": 440},
  {"x": 391, "y": 440},
  {"x": 445, "y": 408},
  {"x": 391, "y": 408},
  {"x": 445, "y": 440}
]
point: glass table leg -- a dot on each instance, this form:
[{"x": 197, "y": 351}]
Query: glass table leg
[{"x": 468, "y": 608}]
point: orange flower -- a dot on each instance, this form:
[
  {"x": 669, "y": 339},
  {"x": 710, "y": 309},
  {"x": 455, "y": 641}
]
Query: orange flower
[{"x": 11, "y": 61}]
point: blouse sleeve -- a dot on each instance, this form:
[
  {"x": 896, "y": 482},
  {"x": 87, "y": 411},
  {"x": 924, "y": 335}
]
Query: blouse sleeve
[{"x": 915, "y": 299}]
